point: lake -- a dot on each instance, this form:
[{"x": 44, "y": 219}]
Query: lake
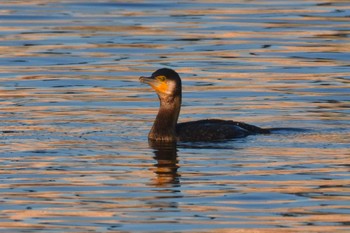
[{"x": 74, "y": 117}]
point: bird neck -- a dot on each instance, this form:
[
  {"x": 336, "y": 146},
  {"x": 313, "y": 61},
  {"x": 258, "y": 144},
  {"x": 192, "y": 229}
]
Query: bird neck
[{"x": 164, "y": 127}]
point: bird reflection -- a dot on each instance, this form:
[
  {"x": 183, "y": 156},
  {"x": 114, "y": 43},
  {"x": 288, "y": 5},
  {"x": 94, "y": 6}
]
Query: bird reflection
[{"x": 167, "y": 163}]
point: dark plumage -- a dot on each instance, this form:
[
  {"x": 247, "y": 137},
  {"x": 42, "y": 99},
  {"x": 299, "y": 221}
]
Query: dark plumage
[{"x": 167, "y": 84}]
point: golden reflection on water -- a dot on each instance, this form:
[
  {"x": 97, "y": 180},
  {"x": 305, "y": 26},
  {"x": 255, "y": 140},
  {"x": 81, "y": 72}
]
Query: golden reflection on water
[{"x": 74, "y": 119}]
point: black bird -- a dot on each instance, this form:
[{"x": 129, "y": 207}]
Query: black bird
[{"x": 167, "y": 84}]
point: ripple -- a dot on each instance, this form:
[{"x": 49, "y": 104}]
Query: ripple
[{"x": 74, "y": 119}]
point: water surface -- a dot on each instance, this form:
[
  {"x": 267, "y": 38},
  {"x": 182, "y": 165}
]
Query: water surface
[{"x": 74, "y": 118}]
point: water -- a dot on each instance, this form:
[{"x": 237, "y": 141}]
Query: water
[{"x": 74, "y": 118}]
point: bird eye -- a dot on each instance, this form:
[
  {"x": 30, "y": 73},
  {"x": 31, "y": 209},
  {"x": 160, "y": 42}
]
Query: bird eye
[{"x": 161, "y": 78}]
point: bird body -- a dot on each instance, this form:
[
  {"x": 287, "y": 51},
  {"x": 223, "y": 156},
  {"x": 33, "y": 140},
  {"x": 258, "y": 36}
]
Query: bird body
[
  {"x": 167, "y": 84},
  {"x": 215, "y": 130}
]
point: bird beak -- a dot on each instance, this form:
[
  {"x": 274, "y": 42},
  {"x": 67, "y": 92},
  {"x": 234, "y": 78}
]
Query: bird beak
[
  {"x": 150, "y": 81},
  {"x": 147, "y": 80},
  {"x": 159, "y": 87}
]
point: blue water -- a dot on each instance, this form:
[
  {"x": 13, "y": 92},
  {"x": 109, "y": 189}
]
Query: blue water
[{"x": 74, "y": 117}]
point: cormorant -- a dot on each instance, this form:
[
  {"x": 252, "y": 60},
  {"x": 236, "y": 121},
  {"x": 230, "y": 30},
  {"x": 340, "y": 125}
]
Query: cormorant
[{"x": 167, "y": 84}]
